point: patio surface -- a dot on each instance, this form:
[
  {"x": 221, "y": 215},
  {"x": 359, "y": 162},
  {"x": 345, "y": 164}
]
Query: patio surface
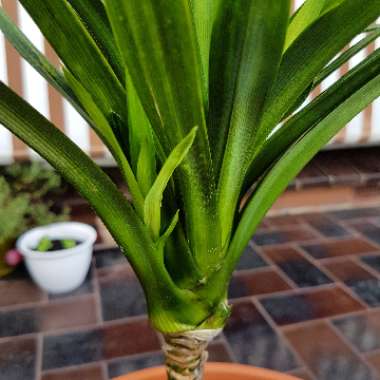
[{"x": 306, "y": 301}]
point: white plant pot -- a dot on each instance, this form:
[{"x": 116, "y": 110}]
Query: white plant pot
[{"x": 58, "y": 271}]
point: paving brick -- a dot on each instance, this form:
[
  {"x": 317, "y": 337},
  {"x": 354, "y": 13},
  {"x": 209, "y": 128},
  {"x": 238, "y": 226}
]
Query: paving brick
[
  {"x": 338, "y": 248},
  {"x": 121, "y": 295},
  {"x": 363, "y": 330},
  {"x": 48, "y": 317},
  {"x": 109, "y": 257},
  {"x": 18, "y": 359},
  {"x": 300, "y": 270},
  {"x": 331, "y": 358},
  {"x": 250, "y": 260},
  {"x": 254, "y": 342},
  {"x": 15, "y": 292},
  {"x": 257, "y": 282},
  {"x": 370, "y": 230},
  {"x": 93, "y": 372},
  {"x": 284, "y": 235},
  {"x": 359, "y": 280},
  {"x": 355, "y": 213},
  {"x": 101, "y": 343},
  {"x": 309, "y": 305}
]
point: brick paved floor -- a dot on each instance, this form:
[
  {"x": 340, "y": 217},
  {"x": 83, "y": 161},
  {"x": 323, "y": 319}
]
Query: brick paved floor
[{"x": 306, "y": 301}]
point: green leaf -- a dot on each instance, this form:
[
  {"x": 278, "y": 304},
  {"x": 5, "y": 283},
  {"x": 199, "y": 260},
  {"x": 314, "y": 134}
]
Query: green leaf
[
  {"x": 44, "y": 244},
  {"x": 373, "y": 27},
  {"x": 103, "y": 129},
  {"x": 330, "y": 5},
  {"x": 319, "y": 108},
  {"x": 33, "y": 56},
  {"x": 306, "y": 15},
  {"x": 245, "y": 59},
  {"x": 291, "y": 163},
  {"x": 334, "y": 65},
  {"x": 204, "y": 13},
  {"x": 170, "y": 308},
  {"x": 68, "y": 243},
  {"x": 164, "y": 237},
  {"x": 146, "y": 167},
  {"x": 345, "y": 56},
  {"x": 308, "y": 55},
  {"x": 141, "y": 143},
  {"x": 74, "y": 45},
  {"x": 74, "y": 165},
  {"x": 184, "y": 271},
  {"x": 158, "y": 42},
  {"x": 152, "y": 205},
  {"x": 75, "y": 93},
  {"x": 94, "y": 17}
]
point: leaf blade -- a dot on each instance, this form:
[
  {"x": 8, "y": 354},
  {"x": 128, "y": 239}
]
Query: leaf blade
[
  {"x": 164, "y": 237},
  {"x": 94, "y": 16},
  {"x": 307, "y": 14},
  {"x": 104, "y": 130},
  {"x": 204, "y": 13},
  {"x": 168, "y": 304},
  {"x": 346, "y": 55},
  {"x": 311, "y": 52},
  {"x": 319, "y": 108},
  {"x": 295, "y": 158},
  {"x": 72, "y": 42},
  {"x": 255, "y": 59},
  {"x": 157, "y": 39},
  {"x": 152, "y": 205},
  {"x": 33, "y": 56},
  {"x": 22, "y": 120},
  {"x": 141, "y": 143}
]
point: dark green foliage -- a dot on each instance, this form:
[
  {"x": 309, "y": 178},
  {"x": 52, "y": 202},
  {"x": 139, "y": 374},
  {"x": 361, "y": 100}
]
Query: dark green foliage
[{"x": 26, "y": 192}]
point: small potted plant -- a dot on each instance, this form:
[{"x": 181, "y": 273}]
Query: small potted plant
[
  {"x": 24, "y": 193},
  {"x": 58, "y": 256},
  {"x": 201, "y": 103}
]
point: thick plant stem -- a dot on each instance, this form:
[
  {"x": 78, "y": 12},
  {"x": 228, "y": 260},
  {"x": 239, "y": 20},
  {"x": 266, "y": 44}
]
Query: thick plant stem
[{"x": 186, "y": 353}]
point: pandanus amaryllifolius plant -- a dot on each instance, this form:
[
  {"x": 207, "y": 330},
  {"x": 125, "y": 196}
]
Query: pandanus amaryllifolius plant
[{"x": 201, "y": 103}]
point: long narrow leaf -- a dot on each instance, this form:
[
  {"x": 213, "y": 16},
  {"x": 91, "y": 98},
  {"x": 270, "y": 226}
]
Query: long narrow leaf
[
  {"x": 331, "y": 4},
  {"x": 146, "y": 166},
  {"x": 333, "y": 66},
  {"x": 253, "y": 54},
  {"x": 168, "y": 314},
  {"x": 292, "y": 162},
  {"x": 307, "y": 14},
  {"x": 21, "y": 119},
  {"x": 319, "y": 108},
  {"x": 307, "y": 56},
  {"x": 34, "y": 57},
  {"x": 204, "y": 12},
  {"x": 158, "y": 42},
  {"x": 104, "y": 130},
  {"x": 152, "y": 206},
  {"x": 141, "y": 143},
  {"x": 164, "y": 237},
  {"x": 65, "y": 86},
  {"x": 64, "y": 30},
  {"x": 346, "y": 56},
  {"x": 93, "y": 15}
]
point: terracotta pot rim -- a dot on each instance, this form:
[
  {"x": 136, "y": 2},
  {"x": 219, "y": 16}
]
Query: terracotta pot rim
[{"x": 230, "y": 369}]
